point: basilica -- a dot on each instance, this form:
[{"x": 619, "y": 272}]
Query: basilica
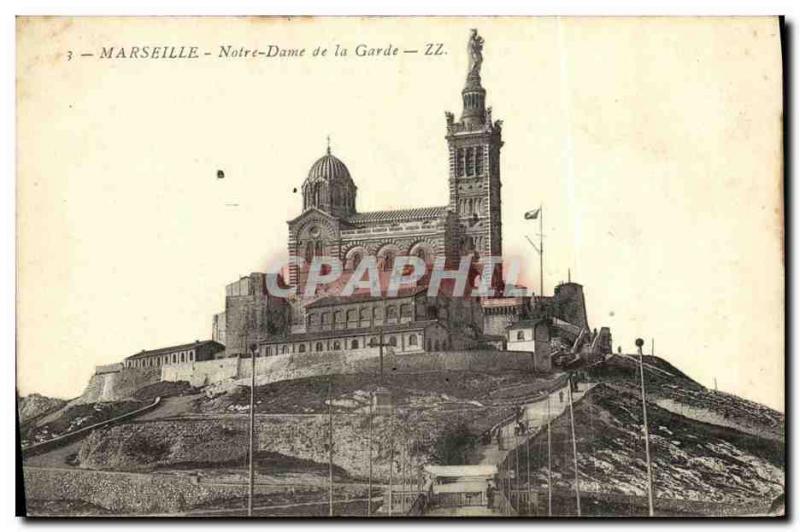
[
  {"x": 317, "y": 320},
  {"x": 329, "y": 225}
]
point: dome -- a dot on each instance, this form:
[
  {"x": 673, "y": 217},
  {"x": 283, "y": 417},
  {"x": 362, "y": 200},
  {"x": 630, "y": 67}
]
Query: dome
[
  {"x": 328, "y": 168},
  {"x": 329, "y": 187}
]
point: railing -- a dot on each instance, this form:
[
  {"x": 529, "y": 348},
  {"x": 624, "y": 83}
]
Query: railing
[
  {"x": 458, "y": 499},
  {"x": 402, "y": 500},
  {"x": 419, "y": 506},
  {"x": 502, "y": 505}
]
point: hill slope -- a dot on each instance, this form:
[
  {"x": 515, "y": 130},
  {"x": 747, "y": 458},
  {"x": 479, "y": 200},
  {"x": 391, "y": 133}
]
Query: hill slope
[{"x": 706, "y": 446}]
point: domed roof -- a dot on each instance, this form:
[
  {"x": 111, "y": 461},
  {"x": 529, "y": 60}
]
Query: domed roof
[{"x": 329, "y": 168}]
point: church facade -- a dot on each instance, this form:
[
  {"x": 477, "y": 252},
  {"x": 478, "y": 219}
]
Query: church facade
[{"x": 468, "y": 225}]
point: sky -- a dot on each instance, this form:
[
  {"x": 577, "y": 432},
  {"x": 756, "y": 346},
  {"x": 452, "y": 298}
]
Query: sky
[{"x": 654, "y": 146}]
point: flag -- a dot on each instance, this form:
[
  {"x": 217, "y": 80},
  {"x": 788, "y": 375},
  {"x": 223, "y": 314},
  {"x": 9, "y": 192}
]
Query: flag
[{"x": 532, "y": 215}]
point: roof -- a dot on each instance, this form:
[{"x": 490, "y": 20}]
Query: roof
[
  {"x": 181, "y": 347},
  {"x": 526, "y": 323},
  {"x": 364, "y": 296},
  {"x": 344, "y": 333},
  {"x": 399, "y": 215},
  {"x": 462, "y": 470}
]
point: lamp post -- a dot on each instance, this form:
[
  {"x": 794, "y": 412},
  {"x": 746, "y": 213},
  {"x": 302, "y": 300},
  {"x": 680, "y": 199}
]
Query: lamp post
[{"x": 639, "y": 344}]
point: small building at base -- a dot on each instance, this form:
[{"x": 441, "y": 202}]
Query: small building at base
[{"x": 533, "y": 336}]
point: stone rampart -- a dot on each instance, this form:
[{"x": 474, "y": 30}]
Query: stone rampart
[{"x": 298, "y": 366}]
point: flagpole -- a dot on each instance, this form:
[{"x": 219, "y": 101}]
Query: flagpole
[{"x": 541, "y": 250}]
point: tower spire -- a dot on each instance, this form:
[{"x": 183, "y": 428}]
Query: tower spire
[
  {"x": 328, "y": 139},
  {"x": 473, "y": 94}
]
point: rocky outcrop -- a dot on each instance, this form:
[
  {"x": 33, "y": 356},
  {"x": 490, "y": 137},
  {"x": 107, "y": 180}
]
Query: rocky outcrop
[{"x": 35, "y": 405}]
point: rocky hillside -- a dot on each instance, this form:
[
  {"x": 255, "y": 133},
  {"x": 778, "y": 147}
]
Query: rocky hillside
[
  {"x": 706, "y": 446},
  {"x": 436, "y": 418},
  {"x": 35, "y": 405},
  {"x": 671, "y": 390},
  {"x": 723, "y": 450}
]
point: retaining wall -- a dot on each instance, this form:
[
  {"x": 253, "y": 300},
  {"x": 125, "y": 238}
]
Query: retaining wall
[
  {"x": 129, "y": 493},
  {"x": 297, "y": 366}
]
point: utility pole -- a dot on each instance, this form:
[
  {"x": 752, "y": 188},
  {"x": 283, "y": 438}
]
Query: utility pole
[
  {"x": 380, "y": 346},
  {"x": 251, "y": 482},
  {"x": 574, "y": 448},
  {"x": 639, "y": 343},
  {"x": 369, "y": 481},
  {"x": 330, "y": 450},
  {"x": 549, "y": 464},
  {"x": 516, "y": 463},
  {"x": 528, "y": 458},
  {"x": 402, "y": 479},
  {"x": 391, "y": 471}
]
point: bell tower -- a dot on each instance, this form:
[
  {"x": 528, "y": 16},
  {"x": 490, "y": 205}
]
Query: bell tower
[{"x": 474, "y": 143}]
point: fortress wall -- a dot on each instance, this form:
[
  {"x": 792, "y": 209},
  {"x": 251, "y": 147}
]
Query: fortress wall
[
  {"x": 201, "y": 373},
  {"x": 297, "y": 366}
]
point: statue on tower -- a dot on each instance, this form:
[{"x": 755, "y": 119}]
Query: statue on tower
[{"x": 475, "y": 51}]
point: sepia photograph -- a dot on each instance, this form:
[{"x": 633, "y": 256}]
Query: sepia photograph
[{"x": 393, "y": 267}]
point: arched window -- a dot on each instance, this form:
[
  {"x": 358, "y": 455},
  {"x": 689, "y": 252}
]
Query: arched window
[
  {"x": 353, "y": 344},
  {"x": 309, "y": 251},
  {"x": 352, "y": 315},
  {"x": 285, "y": 349},
  {"x": 365, "y": 314},
  {"x": 387, "y": 260},
  {"x": 336, "y": 345},
  {"x": 318, "y": 347},
  {"x": 436, "y": 345},
  {"x": 520, "y": 335},
  {"x": 301, "y": 348},
  {"x": 412, "y": 339},
  {"x": 391, "y": 312},
  {"x": 393, "y": 341}
]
